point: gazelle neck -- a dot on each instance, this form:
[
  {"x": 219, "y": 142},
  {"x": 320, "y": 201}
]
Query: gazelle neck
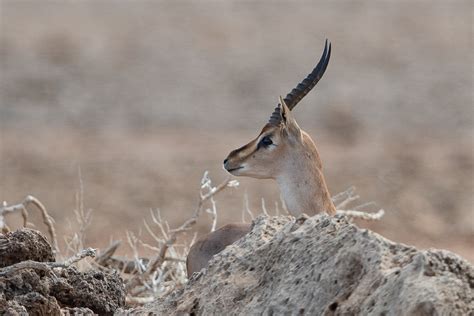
[{"x": 302, "y": 183}]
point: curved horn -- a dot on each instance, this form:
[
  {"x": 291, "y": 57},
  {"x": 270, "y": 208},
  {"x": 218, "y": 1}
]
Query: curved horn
[
  {"x": 310, "y": 81},
  {"x": 305, "y": 86}
]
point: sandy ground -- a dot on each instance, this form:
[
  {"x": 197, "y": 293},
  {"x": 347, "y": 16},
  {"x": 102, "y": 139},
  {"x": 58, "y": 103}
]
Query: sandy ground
[{"x": 143, "y": 97}]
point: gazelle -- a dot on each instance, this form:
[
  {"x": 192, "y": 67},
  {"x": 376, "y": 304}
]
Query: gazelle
[{"x": 284, "y": 152}]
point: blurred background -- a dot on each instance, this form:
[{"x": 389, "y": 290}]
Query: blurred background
[{"x": 144, "y": 96}]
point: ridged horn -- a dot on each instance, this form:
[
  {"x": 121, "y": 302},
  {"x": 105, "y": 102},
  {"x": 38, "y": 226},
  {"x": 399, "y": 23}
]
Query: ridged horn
[{"x": 305, "y": 86}]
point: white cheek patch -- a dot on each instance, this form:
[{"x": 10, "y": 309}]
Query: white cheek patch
[{"x": 272, "y": 147}]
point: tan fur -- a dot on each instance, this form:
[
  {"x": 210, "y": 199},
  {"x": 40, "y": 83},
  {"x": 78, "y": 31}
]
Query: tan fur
[
  {"x": 287, "y": 155},
  {"x": 207, "y": 246},
  {"x": 293, "y": 161}
]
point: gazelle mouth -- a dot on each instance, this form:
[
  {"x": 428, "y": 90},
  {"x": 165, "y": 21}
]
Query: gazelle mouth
[{"x": 233, "y": 169}]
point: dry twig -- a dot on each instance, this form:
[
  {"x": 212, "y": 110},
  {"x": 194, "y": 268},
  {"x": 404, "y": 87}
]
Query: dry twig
[
  {"x": 106, "y": 254},
  {"x": 154, "y": 277},
  {"x": 246, "y": 209},
  {"x": 345, "y": 198},
  {"x": 171, "y": 239},
  {"x": 363, "y": 215},
  {"x": 22, "y": 207},
  {"x": 47, "y": 266},
  {"x": 76, "y": 241}
]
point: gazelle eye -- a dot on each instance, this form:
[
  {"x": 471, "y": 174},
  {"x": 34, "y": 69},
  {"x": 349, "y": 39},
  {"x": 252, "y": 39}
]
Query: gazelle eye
[{"x": 265, "y": 142}]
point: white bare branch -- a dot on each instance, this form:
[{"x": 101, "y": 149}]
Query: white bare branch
[
  {"x": 22, "y": 207},
  {"x": 47, "y": 266},
  {"x": 246, "y": 208},
  {"x": 363, "y": 215},
  {"x": 157, "y": 271},
  {"x": 347, "y": 197},
  {"x": 264, "y": 209}
]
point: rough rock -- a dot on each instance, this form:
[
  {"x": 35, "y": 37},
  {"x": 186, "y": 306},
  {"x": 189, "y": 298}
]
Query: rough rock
[
  {"x": 24, "y": 244},
  {"x": 43, "y": 292},
  {"x": 11, "y": 307},
  {"x": 101, "y": 292},
  {"x": 76, "y": 311},
  {"x": 323, "y": 266}
]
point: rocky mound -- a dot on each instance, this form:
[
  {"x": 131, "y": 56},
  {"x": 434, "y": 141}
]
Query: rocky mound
[
  {"x": 323, "y": 266},
  {"x": 40, "y": 291},
  {"x": 22, "y": 245}
]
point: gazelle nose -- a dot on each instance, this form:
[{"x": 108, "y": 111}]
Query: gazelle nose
[{"x": 225, "y": 161}]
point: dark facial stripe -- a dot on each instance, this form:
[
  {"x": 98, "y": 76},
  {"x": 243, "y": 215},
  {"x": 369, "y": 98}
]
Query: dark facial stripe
[{"x": 267, "y": 130}]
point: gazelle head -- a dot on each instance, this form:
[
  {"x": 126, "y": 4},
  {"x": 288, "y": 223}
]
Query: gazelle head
[{"x": 281, "y": 144}]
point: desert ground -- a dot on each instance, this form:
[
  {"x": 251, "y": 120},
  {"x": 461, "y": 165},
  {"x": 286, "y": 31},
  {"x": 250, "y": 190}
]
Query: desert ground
[{"x": 133, "y": 101}]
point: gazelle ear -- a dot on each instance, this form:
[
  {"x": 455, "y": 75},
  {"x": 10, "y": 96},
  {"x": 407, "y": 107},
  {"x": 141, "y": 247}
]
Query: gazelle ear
[{"x": 288, "y": 120}]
